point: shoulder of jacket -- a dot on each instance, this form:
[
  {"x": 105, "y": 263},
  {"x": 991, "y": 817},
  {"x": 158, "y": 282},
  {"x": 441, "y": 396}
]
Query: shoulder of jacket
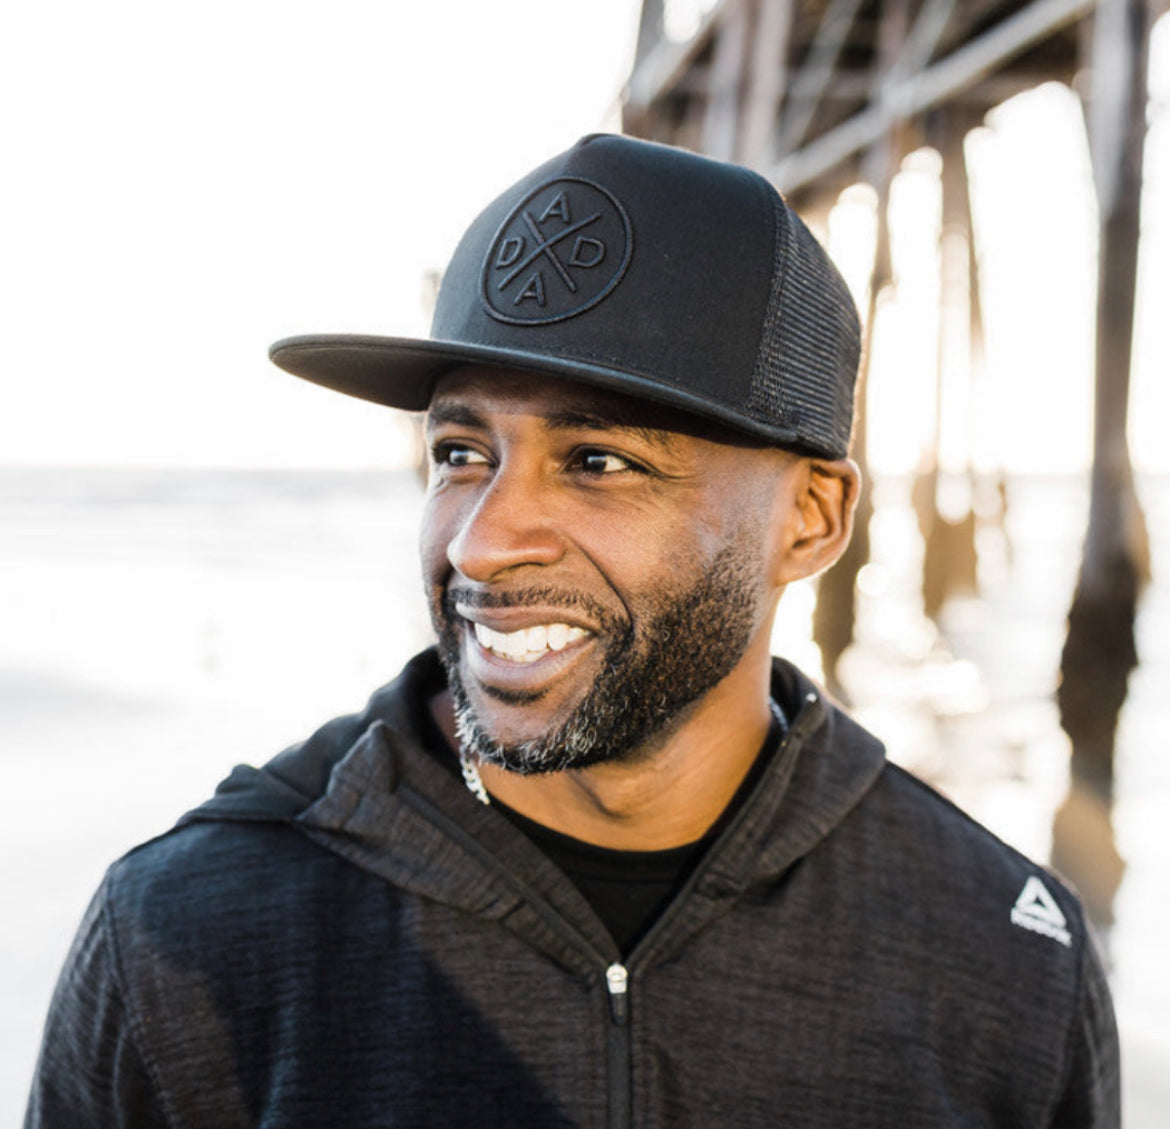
[
  {"x": 936, "y": 839},
  {"x": 295, "y": 778},
  {"x": 199, "y": 864}
]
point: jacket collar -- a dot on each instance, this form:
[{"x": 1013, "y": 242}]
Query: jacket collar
[{"x": 366, "y": 788}]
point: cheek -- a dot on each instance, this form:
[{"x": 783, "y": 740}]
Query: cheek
[
  {"x": 434, "y": 537},
  {"x": 633, "y": 548},
  {"x": 650, "y": 567}
]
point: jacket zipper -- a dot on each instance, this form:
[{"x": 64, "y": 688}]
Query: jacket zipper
[
  {"x": 616, "y": 975},
  {"x": 617, "y": 983}
]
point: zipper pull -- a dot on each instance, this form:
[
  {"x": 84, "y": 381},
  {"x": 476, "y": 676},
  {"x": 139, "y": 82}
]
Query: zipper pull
[{"x": 617, "y": 980}]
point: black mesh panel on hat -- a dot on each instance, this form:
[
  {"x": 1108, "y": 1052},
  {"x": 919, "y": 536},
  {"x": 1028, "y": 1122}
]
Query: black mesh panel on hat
[{"x": 810, "y": 345}]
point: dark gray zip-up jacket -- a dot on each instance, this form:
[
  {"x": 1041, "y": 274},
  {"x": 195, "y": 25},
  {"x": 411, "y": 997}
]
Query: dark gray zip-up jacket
[{"x": 348, "y": 938}]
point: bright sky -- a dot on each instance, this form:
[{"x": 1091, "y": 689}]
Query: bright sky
[{"x": 185, "y": 184}]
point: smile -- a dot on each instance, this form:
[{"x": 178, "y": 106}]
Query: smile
[{"x": 528, "y": 644}]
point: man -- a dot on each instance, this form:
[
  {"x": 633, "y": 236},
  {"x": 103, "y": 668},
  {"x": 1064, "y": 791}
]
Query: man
[{"x": 597, "y": 859}]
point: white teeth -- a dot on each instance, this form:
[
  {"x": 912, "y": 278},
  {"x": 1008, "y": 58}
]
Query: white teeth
[{"x": 529, "y": 643}]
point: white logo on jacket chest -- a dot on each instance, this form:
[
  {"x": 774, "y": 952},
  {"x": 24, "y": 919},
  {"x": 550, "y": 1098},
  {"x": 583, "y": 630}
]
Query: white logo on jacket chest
[{"x": 1036, "y": 909}]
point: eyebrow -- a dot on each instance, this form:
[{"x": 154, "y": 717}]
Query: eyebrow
[
  {"x": 577, "y": 419},
  {"x": 454, "y": 413},
  {"x": 569, "y": 419}
]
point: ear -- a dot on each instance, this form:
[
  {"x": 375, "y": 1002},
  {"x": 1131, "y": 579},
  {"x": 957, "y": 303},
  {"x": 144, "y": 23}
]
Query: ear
[{"x": 820, "y": 518}]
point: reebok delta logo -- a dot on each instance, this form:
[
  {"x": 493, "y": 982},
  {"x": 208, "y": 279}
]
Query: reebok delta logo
[{"x": 1036, "y": 909}]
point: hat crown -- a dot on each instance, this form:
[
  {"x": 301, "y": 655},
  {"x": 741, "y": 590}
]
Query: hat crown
[
  {"x": 640, "y": 268},
  {"x": 690, "y": 276}
]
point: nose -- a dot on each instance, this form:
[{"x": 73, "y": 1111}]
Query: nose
[{"x": 508, "y": 526}]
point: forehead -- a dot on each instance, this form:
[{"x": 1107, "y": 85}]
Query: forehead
[{"x": 487, "y": 391}]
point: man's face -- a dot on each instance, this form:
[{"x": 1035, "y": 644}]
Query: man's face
[{"x": 590, "y": 574}]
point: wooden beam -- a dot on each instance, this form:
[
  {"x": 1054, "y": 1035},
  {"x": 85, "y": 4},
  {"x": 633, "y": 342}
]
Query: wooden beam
[
  {"x": 1100, "y": 649},
  {"x": 651, "y": 28},
  {"x": 766, "y": 80},
  {"x": 851, "y": 90},
  {"x": 834, "y": 617},
  {"x": 959, "y": 71},
  {"x": 880, "y": 159},
  {"x": 929, "y": 25},
  {"x": 721, "y": 118},
  {"x": 955, "y": 299},
  {"x": 1117, "y": 119},
  {"x": 664, "y": 64},
  {"x": 816, "y": 72}
]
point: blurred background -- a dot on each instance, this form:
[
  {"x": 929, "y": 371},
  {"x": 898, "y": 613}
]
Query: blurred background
[{"x": 203, "y": 558}]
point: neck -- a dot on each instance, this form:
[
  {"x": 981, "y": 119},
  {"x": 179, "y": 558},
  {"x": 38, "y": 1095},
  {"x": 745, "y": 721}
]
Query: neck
[{"x": 668, "y": 794}]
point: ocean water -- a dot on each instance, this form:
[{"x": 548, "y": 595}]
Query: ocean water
[{"x": 158, "y": 627}]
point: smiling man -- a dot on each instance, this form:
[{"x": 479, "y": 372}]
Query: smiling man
[
  {"x": 597, "y": 858},
  {"x": 603, "y": 575}
]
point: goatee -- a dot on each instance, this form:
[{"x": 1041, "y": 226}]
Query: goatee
[{"x": 683, "y": 643}]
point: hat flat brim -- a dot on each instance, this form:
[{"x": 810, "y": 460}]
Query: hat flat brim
[{"x": 401, "y": 372}]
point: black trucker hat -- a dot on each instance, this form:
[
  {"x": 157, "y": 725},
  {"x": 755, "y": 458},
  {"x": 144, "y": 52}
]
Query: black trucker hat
[{"x": 640, "y": 268}]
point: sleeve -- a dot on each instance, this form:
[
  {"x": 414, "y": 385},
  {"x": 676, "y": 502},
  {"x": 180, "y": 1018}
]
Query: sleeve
[
  {"x": 1092, "y": 1092},
  {"x": 90, "y": 1072}
]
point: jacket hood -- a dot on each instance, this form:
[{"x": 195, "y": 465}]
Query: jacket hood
[{"x": 366, "y": 788}]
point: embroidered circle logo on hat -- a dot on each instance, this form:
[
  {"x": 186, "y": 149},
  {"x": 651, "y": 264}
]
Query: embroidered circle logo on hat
[{"x": 561, "y": 250}]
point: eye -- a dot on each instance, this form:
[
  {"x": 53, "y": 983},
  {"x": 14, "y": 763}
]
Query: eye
[
  {"x": 457, "y": 455},
  {"x": 597, "y": 462}
]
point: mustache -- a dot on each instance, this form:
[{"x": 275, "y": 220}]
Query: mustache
[{"x": 526, "y": 598}]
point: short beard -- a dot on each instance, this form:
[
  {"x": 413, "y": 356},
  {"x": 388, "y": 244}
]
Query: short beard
[{"x": 691, "y": 641}]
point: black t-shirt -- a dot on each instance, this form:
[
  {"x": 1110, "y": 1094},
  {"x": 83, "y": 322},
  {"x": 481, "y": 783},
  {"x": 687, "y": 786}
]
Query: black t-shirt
[{"x": 627, "y": 889}]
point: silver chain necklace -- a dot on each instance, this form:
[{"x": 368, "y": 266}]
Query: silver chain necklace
[{"x": 472, "y": 779}]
